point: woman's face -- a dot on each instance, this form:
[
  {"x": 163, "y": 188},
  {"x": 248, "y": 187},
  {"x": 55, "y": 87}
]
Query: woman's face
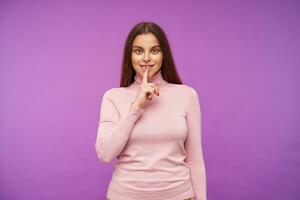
[{"x": 146, "y": 51}]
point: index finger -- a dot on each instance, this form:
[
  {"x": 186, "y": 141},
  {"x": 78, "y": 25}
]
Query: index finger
[{"x": 145, "y": 76}]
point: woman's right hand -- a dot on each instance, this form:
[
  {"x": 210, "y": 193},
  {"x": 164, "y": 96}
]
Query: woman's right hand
[{"x": 146, "y": 91}]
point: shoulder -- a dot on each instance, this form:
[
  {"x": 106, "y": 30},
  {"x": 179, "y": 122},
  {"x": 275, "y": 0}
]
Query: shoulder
[
  {"x": 188, "y": 90},
  {"x": 111, "y": 96},
  {"x": 113, "y": 92}
]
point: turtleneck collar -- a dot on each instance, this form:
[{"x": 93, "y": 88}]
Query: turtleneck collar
[{"x": 156, "y": 79}]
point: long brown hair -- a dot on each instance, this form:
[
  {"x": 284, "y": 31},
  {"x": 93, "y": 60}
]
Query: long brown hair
[{"x": 168, "y": 68}]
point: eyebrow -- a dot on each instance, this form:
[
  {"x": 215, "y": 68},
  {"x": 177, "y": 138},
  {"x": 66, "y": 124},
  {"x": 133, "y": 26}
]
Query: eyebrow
[{"x": 142, "y": 47}]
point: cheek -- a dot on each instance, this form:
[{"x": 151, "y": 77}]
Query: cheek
[
  {"x": 135, "y": 58},
  {"x": 158, "y": 58}
]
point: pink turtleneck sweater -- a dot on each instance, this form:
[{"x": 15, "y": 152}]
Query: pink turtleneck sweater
[{"x": 158, "y": 147}]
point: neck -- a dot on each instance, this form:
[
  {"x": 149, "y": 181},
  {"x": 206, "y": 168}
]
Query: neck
[{"x": 157, "y": 79}]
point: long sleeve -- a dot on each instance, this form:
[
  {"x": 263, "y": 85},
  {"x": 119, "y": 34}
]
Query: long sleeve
[
  {"x": 113, "y": 131},
  {"x": 193, "y": 147}
]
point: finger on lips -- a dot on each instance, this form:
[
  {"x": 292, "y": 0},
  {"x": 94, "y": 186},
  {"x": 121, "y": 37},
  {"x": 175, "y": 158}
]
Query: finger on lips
[
  {"x": 145, "y": 81},
  {"x": 145, "y": 76}
]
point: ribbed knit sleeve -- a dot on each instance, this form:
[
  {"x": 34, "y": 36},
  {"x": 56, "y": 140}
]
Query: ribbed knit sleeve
[
  {"x": 113, "y": 129},
  {"x": 193, "y": 147}
]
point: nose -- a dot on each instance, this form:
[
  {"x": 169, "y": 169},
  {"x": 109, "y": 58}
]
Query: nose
[{"x": 146, "y": 58}]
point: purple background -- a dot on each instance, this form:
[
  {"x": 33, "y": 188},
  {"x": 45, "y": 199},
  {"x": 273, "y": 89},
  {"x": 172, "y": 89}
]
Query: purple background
[{"x": 58, "y": 58}]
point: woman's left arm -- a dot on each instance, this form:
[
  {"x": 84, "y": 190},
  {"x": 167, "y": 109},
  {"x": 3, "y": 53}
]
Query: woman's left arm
[{"x": 193, "y": 146}]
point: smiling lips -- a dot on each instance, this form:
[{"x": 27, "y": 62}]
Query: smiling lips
[{"x": 144, "y": 66}]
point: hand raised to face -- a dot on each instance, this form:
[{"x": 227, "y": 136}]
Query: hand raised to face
[{"x": 146, "y": 91}]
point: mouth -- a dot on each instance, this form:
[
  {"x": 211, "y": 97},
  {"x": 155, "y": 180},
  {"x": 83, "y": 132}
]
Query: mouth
[{"x": 144, "y": 66}]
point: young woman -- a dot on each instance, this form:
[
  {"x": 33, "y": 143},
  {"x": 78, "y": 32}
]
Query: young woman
[{"x": 152, "y": 125}]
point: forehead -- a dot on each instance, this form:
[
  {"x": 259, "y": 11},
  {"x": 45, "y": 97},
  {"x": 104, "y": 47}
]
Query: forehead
[{"x": 145, "y": 40}]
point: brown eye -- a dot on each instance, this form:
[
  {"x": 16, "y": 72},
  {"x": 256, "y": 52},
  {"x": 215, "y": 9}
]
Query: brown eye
[
  {"x": 156, "y": 50},
  {"x": 137, "y": 50}
]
